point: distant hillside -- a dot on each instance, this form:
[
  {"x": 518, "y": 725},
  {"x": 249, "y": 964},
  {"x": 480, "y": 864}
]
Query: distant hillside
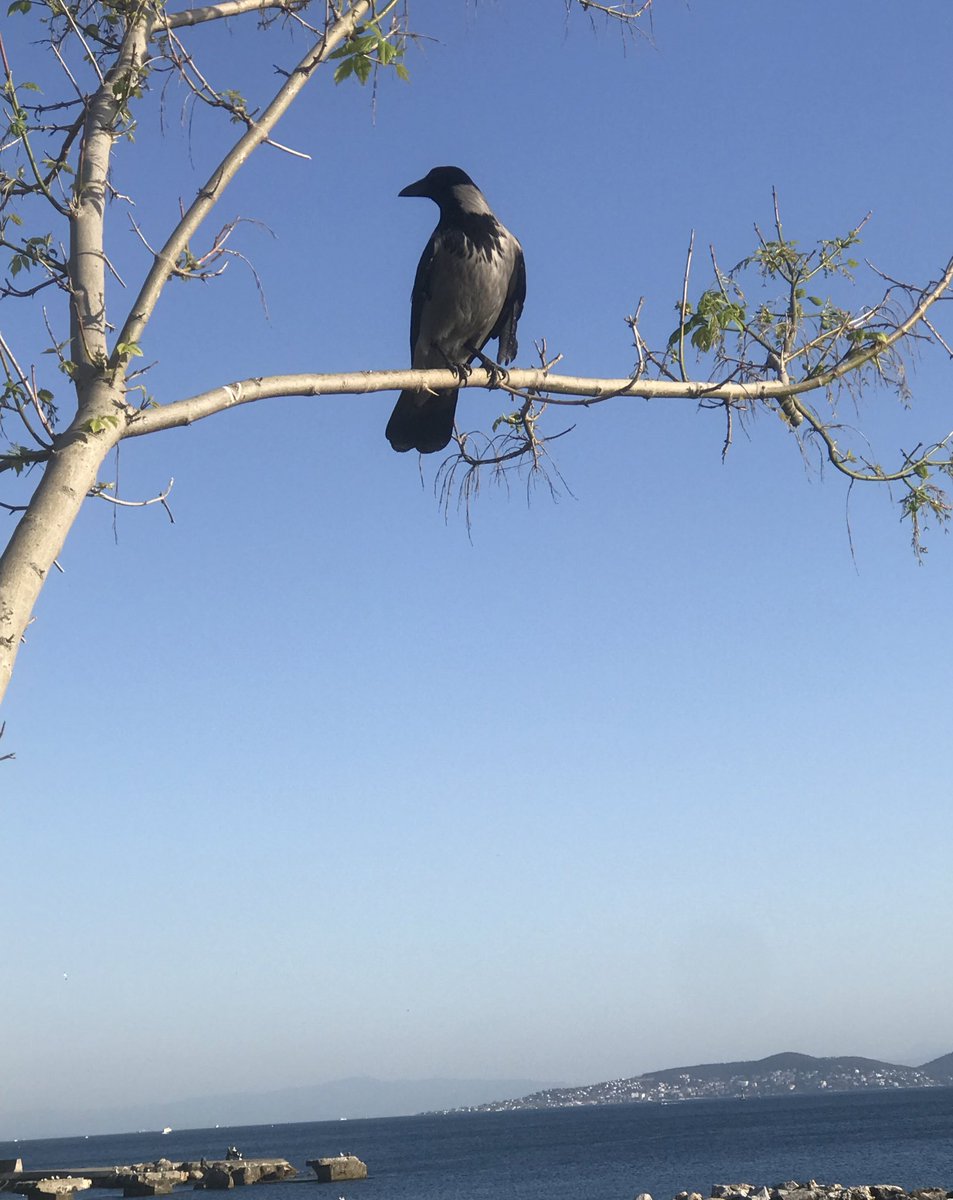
[
  {"x": 778, "y": 1075},
  {"x": 788, "y": 1060},
  {"x": 941, "y": 1069}
]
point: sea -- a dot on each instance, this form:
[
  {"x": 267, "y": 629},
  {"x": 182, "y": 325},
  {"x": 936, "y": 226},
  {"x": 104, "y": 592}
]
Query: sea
[{"x": 605, "y": 1152}]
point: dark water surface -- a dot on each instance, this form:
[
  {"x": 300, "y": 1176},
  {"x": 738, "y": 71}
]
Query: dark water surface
[{"x": 599, "y": 1153}]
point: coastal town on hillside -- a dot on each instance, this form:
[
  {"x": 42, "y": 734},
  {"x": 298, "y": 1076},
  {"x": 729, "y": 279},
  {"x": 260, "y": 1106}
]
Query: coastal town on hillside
[{"x": 779, "y": 1075}]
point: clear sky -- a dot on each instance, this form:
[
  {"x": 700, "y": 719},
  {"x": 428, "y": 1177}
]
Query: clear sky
[{"x": 312, "y": 784}]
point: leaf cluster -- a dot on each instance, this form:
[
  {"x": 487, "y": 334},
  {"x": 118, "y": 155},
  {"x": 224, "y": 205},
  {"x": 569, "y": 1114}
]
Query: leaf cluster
[
  {"x": 804, "y": 338},
  {"x": 371, "y": 48}
]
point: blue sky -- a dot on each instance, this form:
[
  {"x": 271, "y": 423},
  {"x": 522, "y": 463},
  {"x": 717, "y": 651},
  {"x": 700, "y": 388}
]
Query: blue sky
[{"x": 654, "y": 774}]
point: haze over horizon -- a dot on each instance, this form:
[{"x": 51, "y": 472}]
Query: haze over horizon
[
  {"x": 339, "y": 1099},
  {"x": 315, "y": 785}
]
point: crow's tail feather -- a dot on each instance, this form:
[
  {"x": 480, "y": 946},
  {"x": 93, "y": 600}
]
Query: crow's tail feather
[{"x": 422, "y": 421}]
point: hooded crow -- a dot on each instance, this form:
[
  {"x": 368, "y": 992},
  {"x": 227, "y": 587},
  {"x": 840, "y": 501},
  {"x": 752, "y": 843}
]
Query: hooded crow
[{"x": 469, "y": 288}]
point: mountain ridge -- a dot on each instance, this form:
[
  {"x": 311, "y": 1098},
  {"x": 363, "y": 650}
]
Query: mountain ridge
[{"x": 786, "y": 1073}]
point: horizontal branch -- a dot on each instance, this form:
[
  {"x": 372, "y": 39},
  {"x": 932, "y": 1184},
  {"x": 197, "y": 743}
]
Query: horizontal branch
[
  {"x": 584, "y": 389},
  {"x": 216, "y": 12}
]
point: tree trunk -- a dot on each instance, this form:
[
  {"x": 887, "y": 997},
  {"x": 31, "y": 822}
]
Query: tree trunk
[{"x": 38, "y": 539}]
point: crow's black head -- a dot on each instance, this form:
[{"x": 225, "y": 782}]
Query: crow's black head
[{"x": 438, "y": 184}]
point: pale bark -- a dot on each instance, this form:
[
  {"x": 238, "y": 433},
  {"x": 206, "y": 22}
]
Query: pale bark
[
  {"x": 350, "y": 383},
  {"x": 217, "y": 12},
  {"x": 41, "y": 532}
]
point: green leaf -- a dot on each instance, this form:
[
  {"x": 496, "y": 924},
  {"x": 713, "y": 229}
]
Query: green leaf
[
  {"x": 344, "y": 70},
  {"x": 98, "y": 424},
  {"x": 16, "y": 458},
  {"x": 21, "y": 6}
]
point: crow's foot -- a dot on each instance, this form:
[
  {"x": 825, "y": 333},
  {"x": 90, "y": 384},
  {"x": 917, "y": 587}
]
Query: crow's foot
[
  {"x": 499, "y": 376},
  {"x": 462, "y": 370}
]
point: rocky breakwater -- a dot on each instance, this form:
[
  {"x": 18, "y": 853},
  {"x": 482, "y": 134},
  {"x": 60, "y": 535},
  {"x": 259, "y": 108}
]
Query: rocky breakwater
[
  {"x": 58, "y": 1187},
  {"x": 812, "y": 1190},
  {"x": 150, "y": 1178},
  {"x": 160, "y": 1177},
  {"x": 241, "y": 1172},
  {"x": 146, "y": 1179}
]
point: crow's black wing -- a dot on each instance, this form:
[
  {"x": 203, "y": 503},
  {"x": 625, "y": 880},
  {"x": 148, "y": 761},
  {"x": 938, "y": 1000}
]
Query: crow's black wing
[
  {"x": 505, "y": 327},
  {"x": 423, "y": 421},
  {"x": 422, "y": 289}
]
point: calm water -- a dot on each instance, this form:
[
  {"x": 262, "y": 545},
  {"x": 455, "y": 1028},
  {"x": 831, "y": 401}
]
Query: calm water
[{"x": 604, "y": 1153}]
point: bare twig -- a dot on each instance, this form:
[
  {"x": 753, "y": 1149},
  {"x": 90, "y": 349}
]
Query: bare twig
[
  {"x": 620, "y": 12},
  {"x": 683, "y": 309},
  {"x": 8, "y": 360},
  {"x": 101, "y": 492}
]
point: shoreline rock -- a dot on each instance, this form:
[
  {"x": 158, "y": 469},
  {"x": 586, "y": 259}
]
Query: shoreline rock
[{"x": 812, "y": 1190}]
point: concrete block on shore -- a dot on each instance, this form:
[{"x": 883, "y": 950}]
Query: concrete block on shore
[{"x": 338, "y": 1169}]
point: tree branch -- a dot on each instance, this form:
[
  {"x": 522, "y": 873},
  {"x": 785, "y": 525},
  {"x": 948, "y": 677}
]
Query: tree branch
[
  {"x": 88, "y": 212},
  {"x": 928, "y": 297},
  {"x": 586, "y": 390},
  {"x": 258, "y": 131},
  {"x": 621, "y": 12},
  {"x": 216, "y": 12}
]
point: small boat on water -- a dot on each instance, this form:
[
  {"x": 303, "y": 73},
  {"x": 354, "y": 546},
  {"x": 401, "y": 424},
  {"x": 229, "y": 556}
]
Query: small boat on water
[{"x": 167, "y": 1129}]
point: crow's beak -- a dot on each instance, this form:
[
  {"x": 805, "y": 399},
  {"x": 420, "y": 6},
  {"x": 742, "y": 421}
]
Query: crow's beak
[{"x": 415, "y": 189}]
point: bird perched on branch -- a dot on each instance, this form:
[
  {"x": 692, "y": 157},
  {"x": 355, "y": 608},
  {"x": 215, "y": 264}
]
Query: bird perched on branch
[{"x": 469, "y": 288}]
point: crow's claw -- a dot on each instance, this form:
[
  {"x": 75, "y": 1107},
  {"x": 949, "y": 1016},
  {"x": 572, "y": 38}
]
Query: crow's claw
[
  {"x": 462, "y": 370},
  {"x": 499, "y": 376}
]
